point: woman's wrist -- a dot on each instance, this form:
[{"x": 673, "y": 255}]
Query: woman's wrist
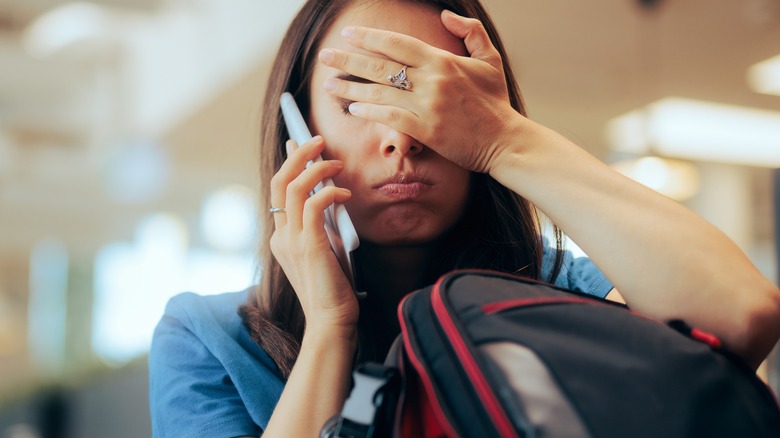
[
  {"x": 511, "y": 145},
  {"x": 330, "y": 334},
  {"x": 529, "y": 152}
]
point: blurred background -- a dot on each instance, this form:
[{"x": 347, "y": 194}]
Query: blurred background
[{"x": 128, "y": 132}]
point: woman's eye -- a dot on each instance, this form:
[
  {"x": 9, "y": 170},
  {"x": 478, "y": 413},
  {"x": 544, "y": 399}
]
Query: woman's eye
[{"x": 344, "y": 104}]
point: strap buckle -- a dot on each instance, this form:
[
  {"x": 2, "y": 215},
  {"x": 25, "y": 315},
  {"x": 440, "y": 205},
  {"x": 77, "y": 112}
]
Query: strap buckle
[{"x": 368, "y": 412}]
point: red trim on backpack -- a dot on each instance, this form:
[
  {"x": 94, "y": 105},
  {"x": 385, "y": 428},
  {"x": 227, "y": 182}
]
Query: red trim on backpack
[
  {"x": 431, "y": 426},
  {"x": 429, "y": 393},
  {"x": 500, "y": 306},
  {"x": 481, "y": 386}
]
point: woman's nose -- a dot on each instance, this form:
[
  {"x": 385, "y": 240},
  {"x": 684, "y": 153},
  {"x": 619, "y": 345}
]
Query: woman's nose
[{"x": 397, "y": 143}]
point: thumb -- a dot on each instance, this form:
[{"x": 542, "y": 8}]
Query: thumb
[{"x": 474, "y": 36}]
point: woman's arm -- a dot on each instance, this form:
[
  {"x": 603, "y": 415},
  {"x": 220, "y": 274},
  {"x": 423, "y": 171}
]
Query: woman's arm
[
  {"x": 666, "y": 261},
  {"x": 319, "y": 381},
  {"x": 318, "y": 384}
]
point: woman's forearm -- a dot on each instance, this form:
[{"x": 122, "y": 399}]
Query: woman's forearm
[
  {"x": 318, "y": 384},
  {"x": 666, "y": 261}
]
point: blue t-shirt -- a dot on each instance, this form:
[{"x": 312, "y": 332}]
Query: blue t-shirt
[{"x": 208, "y": 378}]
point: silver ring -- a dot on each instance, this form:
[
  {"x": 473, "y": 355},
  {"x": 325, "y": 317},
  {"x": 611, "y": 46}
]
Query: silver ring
[
  {"x": 273, "y": 210},
  {"x": 400, "y": 81}
]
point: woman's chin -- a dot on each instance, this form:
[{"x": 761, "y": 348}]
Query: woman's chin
[
  {"x": 403, "y": 233},
  {"x": 405, "y": 224}
]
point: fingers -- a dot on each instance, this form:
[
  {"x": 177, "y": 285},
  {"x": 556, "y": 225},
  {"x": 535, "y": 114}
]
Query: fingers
[
  {"x": 312, "y": 216},
  {"x": 395, "y": 117},
  {"x": 299, "y": 190},
  {"x": 278, "y": 184},
  {"x": 474, "y": 36},
  {"x": 363, "y": 66},
  {"x": 292, "y": 184},
  {"x": 372, "y": 93},
  {"x": 402, "y": 48}
]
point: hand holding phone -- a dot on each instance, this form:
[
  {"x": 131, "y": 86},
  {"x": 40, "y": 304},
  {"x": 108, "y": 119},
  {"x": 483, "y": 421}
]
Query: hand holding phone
[{"x": 338, "y": 225}]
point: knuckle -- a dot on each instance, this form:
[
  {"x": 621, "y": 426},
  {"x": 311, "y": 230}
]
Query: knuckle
[
  {"x": 311, "y": 212},
  {"x": 359, "y": 34},
  {"x": 320, "y": 167},
  {"x": 340, "y": 60},
  {"x": 294, "y": 188},
  {"x": 393, "y": 40},
  {"x": 343, "y": 87},
  {"x": 376, "y": 93},
  {"x": 275, "y": 180},
  {"x": 475, "y": 23},
  {"x": 393, "y": 116},
  {"x": 320, "y": 200},
  {"x": 377, "y": 67},
  {"x": 447, "y": 66}
]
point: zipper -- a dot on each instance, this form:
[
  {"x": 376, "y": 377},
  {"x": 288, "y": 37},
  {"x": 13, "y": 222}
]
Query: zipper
[{"x": 489, "y": 399}]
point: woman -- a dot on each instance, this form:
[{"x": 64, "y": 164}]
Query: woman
[{"x": 423, "y": 130}]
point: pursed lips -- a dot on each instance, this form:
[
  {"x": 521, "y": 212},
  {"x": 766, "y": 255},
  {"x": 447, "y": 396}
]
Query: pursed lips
[{"x": 403, "y": 186}]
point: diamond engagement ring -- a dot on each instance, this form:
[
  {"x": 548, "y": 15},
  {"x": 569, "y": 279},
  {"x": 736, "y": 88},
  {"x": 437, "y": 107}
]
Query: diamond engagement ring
[
  {"x": 273, "y": 210},
  {"x": 399, "y": 80}
]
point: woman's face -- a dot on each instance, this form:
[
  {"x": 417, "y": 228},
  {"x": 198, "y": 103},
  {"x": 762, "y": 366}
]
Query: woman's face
[{"x": 402, "y": 192}]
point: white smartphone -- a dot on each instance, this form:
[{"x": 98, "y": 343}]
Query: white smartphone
[{"x": 341, "y": 232}]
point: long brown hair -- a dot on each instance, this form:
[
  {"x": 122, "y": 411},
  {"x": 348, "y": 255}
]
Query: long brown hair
[{"x": 500, "y": 229}]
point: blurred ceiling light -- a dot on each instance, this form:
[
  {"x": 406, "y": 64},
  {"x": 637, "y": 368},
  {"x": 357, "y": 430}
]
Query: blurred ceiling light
[
  {"x": 65, "y": 26},
  {"x": 699, "y": 130},
  {"x": 228, "y": 218},
  {"x": 764, "y": 77},
  {"x": 675, "y": 179}
]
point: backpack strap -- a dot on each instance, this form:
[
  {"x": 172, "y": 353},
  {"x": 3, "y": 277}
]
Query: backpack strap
[{"x": 368, "y": 411}]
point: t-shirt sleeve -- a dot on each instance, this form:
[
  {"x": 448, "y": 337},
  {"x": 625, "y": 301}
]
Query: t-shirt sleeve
[
  {"x": 577, "y": 273},
  {"x": 191, "y": 394}
]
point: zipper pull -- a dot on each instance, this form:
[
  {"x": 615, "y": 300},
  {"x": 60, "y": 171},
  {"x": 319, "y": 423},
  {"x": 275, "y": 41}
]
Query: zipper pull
[{"x": 695, "y": 333}]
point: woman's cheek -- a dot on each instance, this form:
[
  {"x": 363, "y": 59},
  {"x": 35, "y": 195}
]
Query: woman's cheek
[{"x": 348, "y": 143}]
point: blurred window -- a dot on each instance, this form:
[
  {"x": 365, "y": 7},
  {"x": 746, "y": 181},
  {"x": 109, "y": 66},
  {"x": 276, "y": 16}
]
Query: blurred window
[{"x": 133, "y": 281}]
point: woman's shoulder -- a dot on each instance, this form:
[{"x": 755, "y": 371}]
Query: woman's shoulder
[
  {"x": 189, "y": 307},
  {"x": 205, "y": 370},
  {"x": 577, "y": 273},
  {"x": 211, "y": 319}
]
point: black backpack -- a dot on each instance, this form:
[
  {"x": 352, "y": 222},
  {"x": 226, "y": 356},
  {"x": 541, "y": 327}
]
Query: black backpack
[{"x": 485, "y": 354}]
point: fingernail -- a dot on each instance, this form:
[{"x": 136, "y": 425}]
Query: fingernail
[
  {"x": 326, "y": 55},
  {"x": 348, "y": 32},
  {"x": 331, "y": 84},
  {"x": 355, "y": 108},
  {"x": 316, "y": 139}
]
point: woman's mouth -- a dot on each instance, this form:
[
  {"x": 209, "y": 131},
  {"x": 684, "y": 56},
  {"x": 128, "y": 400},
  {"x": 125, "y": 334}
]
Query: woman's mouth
[
  {"x": 404, "y": 191},
  {"x": 403, "y": 187}
]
